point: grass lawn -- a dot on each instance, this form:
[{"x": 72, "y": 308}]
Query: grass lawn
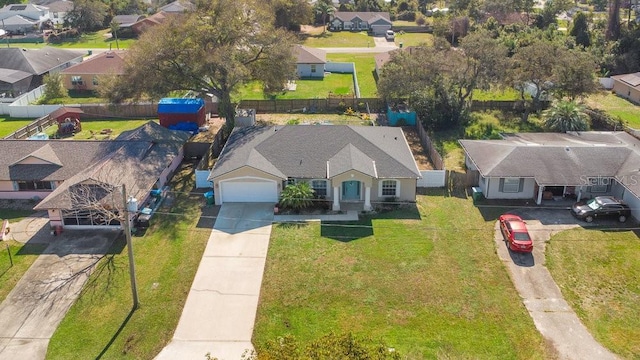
[
  {"x": 599, "y": 275},
  {"x": 365, "y": 69},
  {"x": 425, "y": 281},
  {"x": 340, "y": 84},
  {"x": 336, "y": 119},
  {"x": 23, "y": 255},
  {"x": 93, "y": 40},
  {"x": 485, "y": 125},
  {"x": 616, "y": 106},
  {"x": 78, "y": 98},
  {"x": 9, "y": 125},
  {"x": 413, "y": 39},
  {"x": 338, "y": 39},
  {"x": 99, "y": 324},
  {"x": 116, "y": 125},
  {"x": 497, "y": 95}
]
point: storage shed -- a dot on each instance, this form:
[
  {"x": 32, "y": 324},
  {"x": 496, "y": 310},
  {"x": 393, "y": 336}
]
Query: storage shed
[{"x": 172, "y": 111}]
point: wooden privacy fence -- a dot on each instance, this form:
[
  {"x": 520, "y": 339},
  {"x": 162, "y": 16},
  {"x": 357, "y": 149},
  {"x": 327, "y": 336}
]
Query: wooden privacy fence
[
  {"x": 205, "y": 165},
  {"x": 131, "y": 111},
  {"x": 429, "y": 147},
  {"x": 33, "y": 128},
  {"x": 311, "y": 105}
]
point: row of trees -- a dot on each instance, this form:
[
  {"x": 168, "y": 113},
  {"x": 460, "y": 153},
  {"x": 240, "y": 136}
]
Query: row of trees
[{"x": 439, "y": 81}]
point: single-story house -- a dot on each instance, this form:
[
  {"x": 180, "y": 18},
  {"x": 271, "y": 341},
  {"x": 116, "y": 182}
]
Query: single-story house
[
  {"x": 178, "y": 6},
  {"x": 125, "y": 25},
  {"x": 143, "y": 24},
  {"x": 86, "y": 75},
  {"x": 309, "y": 61},
  {"x": 22, "y": 70},
  {"x": 541, "y": 166},
  {"x": 143, "y": 159},
  {"x": 360, "y": 164},
  {"x": 375, "y": 22},
  {"x": 627, "y": 86},
  {"x": 23, "y": 17}
]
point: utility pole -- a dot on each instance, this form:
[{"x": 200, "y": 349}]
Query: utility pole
[{"x": 127, "y": 233}]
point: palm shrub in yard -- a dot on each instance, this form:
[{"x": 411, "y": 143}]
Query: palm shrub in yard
[
  {"x": 566, "y": 116},
  {"x": 297, "y": 196}
]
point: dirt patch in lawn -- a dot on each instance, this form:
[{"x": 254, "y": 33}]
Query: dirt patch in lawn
[{"x": 423, "y": 161}]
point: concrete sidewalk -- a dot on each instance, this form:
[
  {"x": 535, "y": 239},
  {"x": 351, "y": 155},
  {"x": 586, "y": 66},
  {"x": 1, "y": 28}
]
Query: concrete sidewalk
[
  {"x": 551, "y": 314},
  {"x": 220, "y": 311}
]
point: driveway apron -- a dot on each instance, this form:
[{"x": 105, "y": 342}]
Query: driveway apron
[
  {"x": 551, "y": 314},
  {"x": 220, "y": 311},
  {"x": 32, "y": 311}
]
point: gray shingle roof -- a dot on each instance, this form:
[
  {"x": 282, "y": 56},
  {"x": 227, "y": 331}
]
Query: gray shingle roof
[
  {"x": 136, "y": 158},
  {"x": 307, "y": 55},
  {"x": 559, "y": 159},
  {"x": 36, "y": 61},
  {"x": 365, "y": 16},
  {"x": 302, "y": 151}
]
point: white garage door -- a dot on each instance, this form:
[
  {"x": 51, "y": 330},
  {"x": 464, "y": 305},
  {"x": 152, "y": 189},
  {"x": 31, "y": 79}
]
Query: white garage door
[{"x": 249, "y": 191}]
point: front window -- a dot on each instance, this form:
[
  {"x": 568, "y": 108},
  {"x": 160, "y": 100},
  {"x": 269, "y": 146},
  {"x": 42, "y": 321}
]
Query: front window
[
  {"x": 320, "y": 187},
  {"x": 389, "y": 188},
  {"x": 95, "y": 81},
  {"x": 76, "y": 80},
  {"x": 511, "y": 185},
  {"x": 34, "y": 185},
  {"x": 313, "y": 68}
]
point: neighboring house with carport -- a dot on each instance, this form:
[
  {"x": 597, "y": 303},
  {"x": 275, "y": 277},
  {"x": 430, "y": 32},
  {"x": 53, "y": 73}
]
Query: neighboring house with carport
[
  {"x": 309, "y": 61},
  {"x": 343, "y": 164},
  {"x": 375, "y": 22},
  {"x": 143, "y": 159},
  {"x": 85, "y": 76},
  {"x": 549, "y": 166},
  {"x": 627, "y": 86},
  {"x": 22, "y": 70}
]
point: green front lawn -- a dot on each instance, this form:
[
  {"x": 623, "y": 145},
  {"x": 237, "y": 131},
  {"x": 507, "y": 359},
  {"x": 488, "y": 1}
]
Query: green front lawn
[
  {"x": 338, "y": 39},
  {"x": 117, "y": 126},
  {"x": 93, "y": 40},
  {"x": 425, "y": 281},
  {"x": 365, "y": 69},
  {"x": 9, "y": 125},
  {"x": 413, "y": 39},
  {"x": 599, "y": 275},
  {"x": 339, "y": 84},
  {"x": 616, "y": 106},
  {"x": 23, "y": 255},
  {"x": 99, "y": 325}
]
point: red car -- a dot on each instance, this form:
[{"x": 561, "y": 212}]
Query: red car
[{"x": 515, "y": 232}]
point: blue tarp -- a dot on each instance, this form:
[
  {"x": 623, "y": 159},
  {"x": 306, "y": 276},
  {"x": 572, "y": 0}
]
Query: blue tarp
[
  {"x": 185, "y": 126},
  {"x": 179, "y": 106}
]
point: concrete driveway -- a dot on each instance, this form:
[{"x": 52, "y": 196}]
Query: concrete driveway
[
  {"x": 220, "y": 311},
  {"x": 551, "y": 314},
  {"x": 32, "y": 311}
]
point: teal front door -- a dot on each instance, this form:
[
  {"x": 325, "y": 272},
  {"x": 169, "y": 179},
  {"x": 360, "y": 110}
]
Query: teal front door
[{"x": 351, "y": 190}]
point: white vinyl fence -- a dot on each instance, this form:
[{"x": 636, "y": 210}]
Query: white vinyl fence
[{"x": 432, "y": 178}]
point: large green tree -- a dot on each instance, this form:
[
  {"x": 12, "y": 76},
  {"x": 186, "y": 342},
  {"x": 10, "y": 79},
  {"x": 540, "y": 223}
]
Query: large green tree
[
  {"x": 580, "y": 30},
  {"x": 87, "y": 15},
  {"x": 324, "y": 8},
  {"x": 213, "y": 50},
  {"x": 574, "y": 75},
  {"x": 290, "y": 14}
]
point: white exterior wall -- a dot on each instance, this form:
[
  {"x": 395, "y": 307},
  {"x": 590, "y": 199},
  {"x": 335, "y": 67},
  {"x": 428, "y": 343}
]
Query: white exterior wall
[
  {"x": 491, "y": 189},
  {"x": 304, "y": 70},
  {"x": 202, "y": 179}
]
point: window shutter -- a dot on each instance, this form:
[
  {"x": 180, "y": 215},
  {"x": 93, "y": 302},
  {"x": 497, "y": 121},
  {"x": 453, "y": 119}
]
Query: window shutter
[
  {"x": 521, "y": 185},
  {"x": 501, "y": 186}
]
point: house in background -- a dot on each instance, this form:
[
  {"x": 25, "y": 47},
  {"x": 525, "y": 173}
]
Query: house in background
[
  {"x": 178, "y": 7},
  {"x": 23, "y": 18},
  {"x": 143, "y": 159},
  {"x": 58, "y": 10},
  {"x": 546, "y": 166},
  {"x": 627, "y": 86},
  {"x": 22, "y": 70},
  {"x": 375, "y": 22},
  {"x": 309, "y": 61},
  {"x": 144, "y": 24},
  {"x": 85, "y": 76},
  {"x": 357, "y": 164},
  {"x": 125, "y": 25}
]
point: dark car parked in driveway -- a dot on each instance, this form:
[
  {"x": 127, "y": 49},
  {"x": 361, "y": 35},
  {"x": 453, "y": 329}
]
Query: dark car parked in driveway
[{"x": 601, "y": 206}]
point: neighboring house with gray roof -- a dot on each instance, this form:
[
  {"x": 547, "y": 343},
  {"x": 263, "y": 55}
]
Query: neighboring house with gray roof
[
  {"x": 58, "y": 10},
  {"x": 142, "y": 159},
  {"x": 361, "y": 164},
  {"x": 23, "y": 17},
  {"x": 627, "y": 86},
  {"x": 543, "y": 165},
  {"x": 16, "y": 63},
  {"x": 309, "y": 61},
  {"x": 375, "y": 22}
]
